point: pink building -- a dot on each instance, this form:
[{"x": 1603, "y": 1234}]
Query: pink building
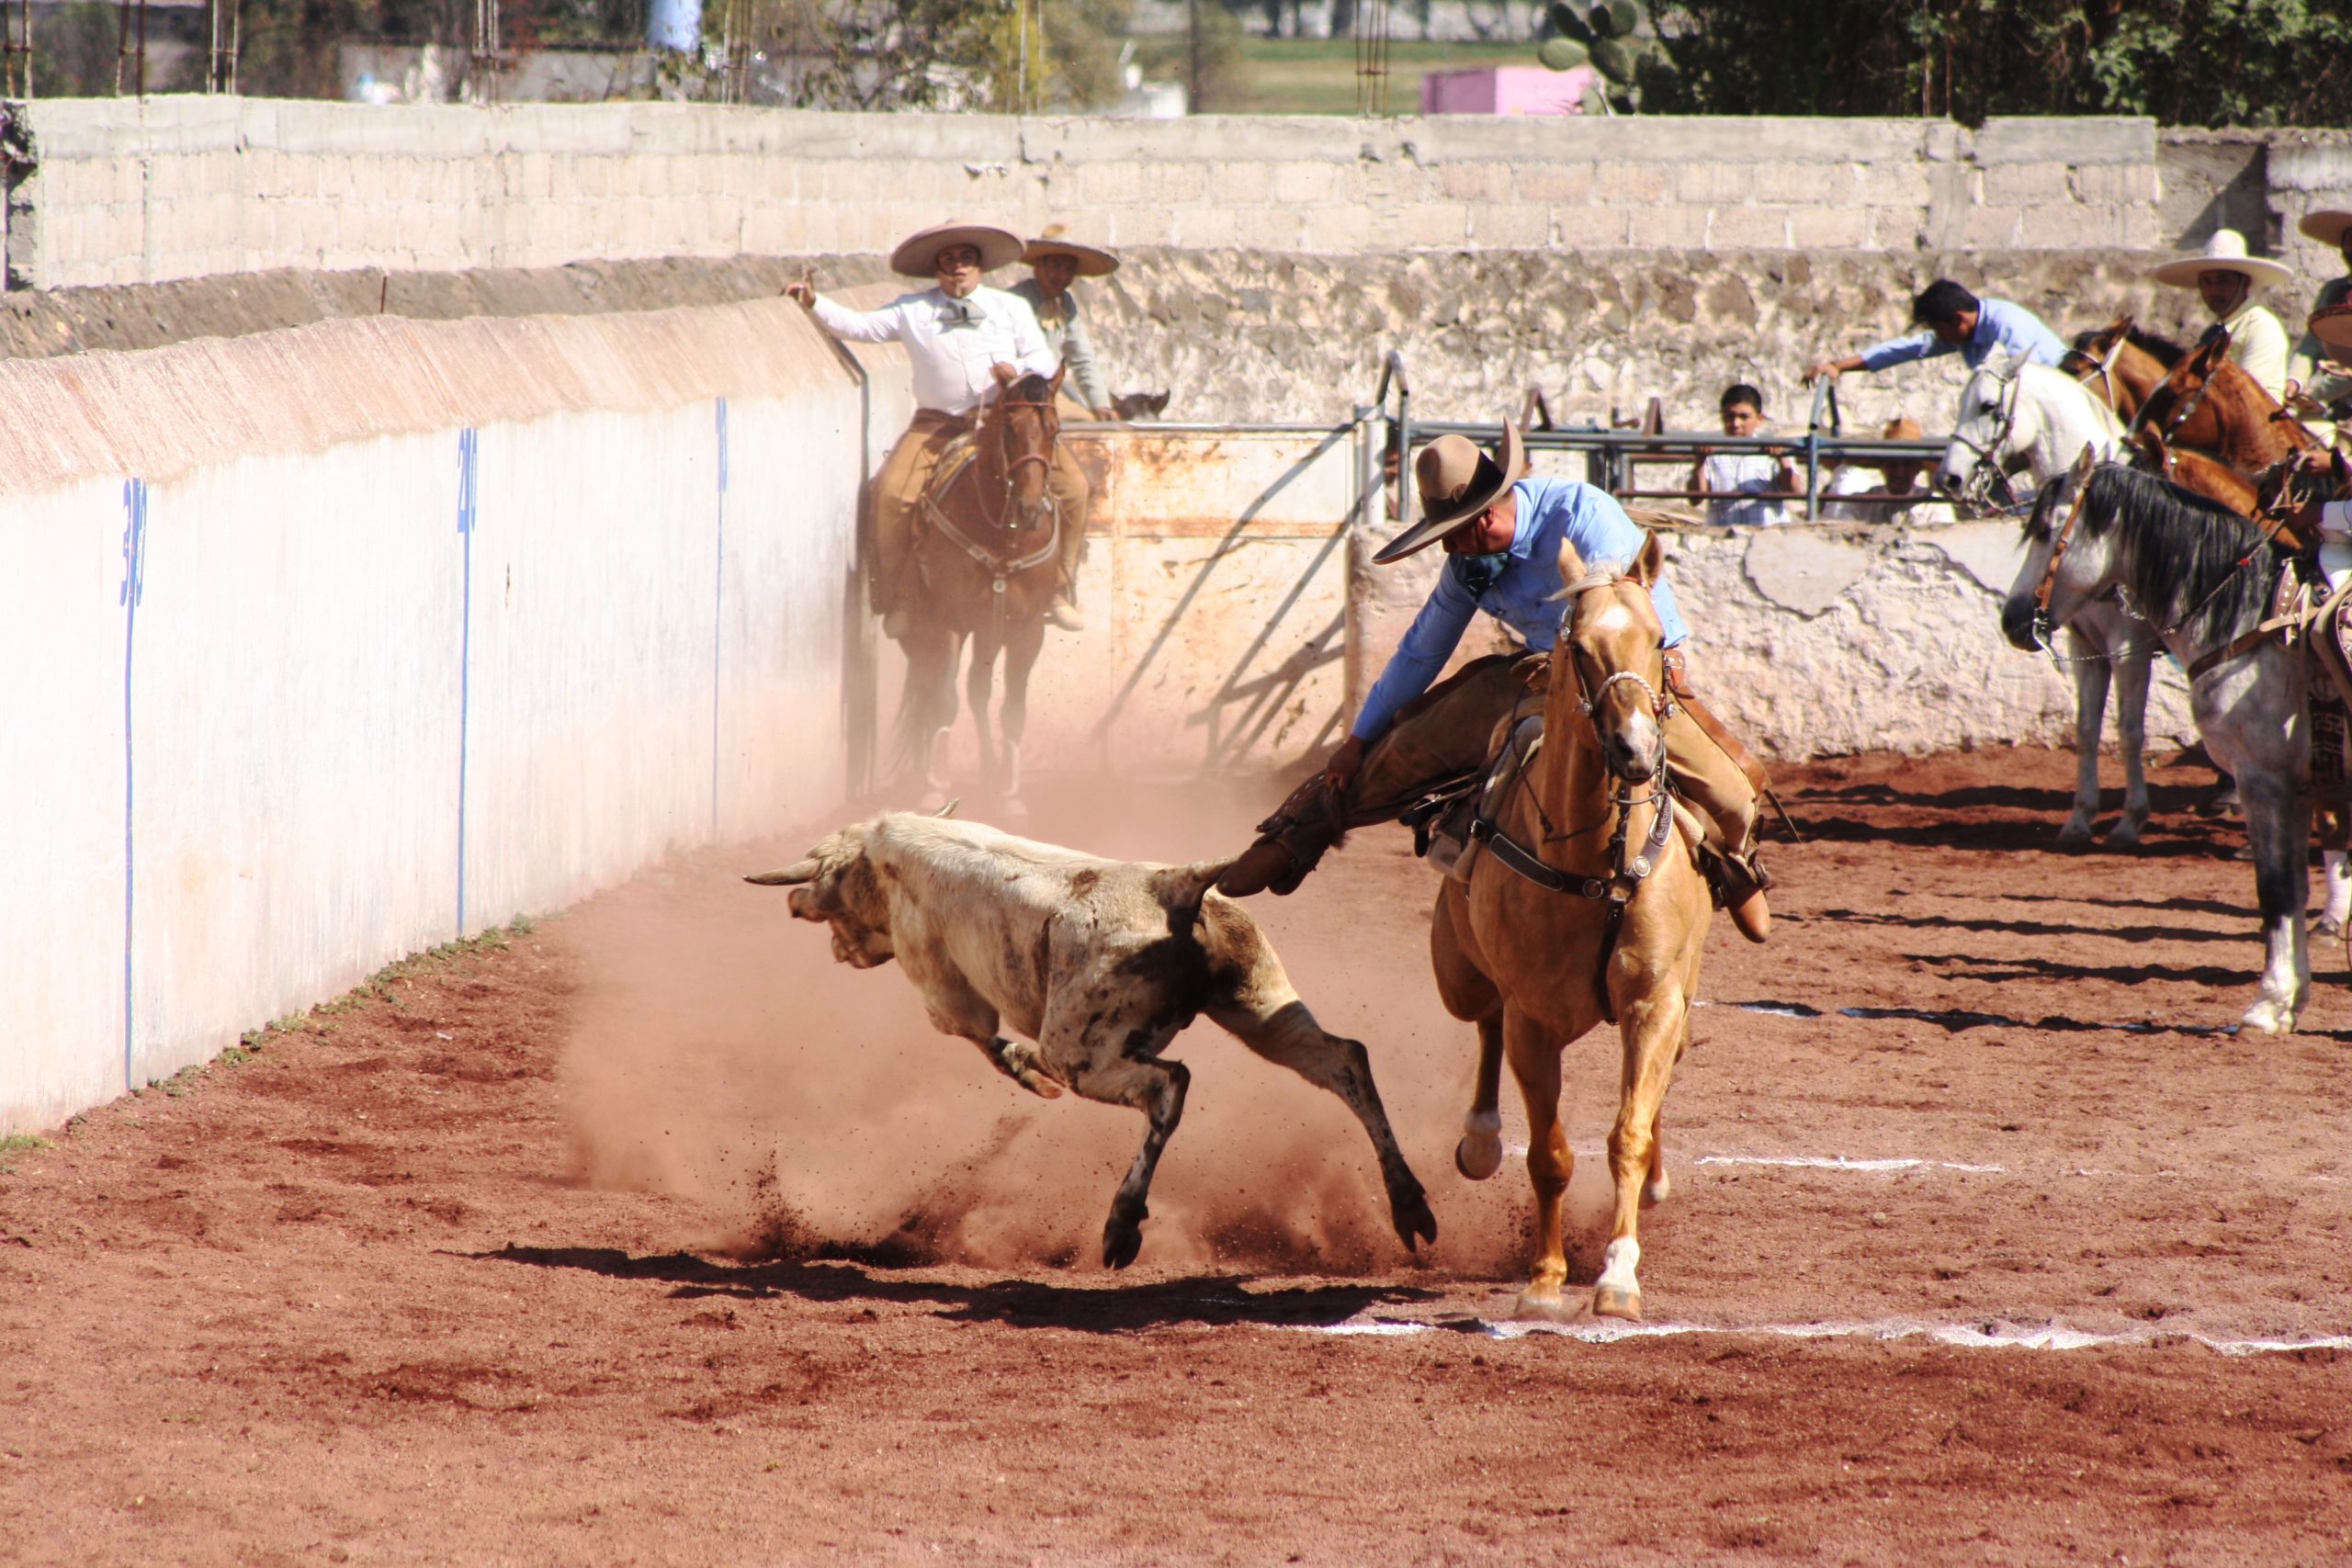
[{"x": 1505, "y": 89}]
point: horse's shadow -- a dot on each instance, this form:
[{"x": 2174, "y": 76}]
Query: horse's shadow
[{"x": 1214, "y": 1301}]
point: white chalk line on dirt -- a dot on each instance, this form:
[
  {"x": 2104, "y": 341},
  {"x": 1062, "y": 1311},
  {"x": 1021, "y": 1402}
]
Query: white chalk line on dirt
[
  {"x": 1971, "y": 1337},
  {"x": 1805, "y": 1162}
]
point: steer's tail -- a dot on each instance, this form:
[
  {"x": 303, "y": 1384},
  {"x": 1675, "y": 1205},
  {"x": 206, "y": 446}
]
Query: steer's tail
[{"x": 1180, "y": 888}]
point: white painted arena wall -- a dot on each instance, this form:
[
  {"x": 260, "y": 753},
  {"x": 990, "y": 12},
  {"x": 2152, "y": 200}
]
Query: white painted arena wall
[{"x": 334, "y": 644}]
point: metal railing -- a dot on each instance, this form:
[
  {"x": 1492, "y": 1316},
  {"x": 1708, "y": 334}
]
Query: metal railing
[{"x": 1613, "y": 455}]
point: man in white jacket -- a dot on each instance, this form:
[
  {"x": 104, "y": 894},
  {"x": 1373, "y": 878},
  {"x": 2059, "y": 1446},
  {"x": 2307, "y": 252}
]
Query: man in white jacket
[
  {"x": 2224, "y": 277},
  {"x": 966, "y": 342}
]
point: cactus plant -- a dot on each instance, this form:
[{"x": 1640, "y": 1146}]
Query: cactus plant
[{"x": 1632, "y": 69}]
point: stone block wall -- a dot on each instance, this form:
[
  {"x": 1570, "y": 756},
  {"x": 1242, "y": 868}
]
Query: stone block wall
[{"x": 126, "y": 191}]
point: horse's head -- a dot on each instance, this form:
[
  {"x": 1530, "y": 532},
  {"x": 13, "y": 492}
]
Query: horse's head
[
  {"x": 1023, "y": 424},
  {"x": 2176, "y": 405},
  {"x": 1609, "y": 660},
  {"x": 2094, "y": 349},
  {"x": 2065, "y": 567},
  {"x": 1987, "y": 435}
]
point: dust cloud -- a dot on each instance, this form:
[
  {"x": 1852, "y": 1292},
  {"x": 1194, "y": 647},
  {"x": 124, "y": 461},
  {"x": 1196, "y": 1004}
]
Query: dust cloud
[{"x": 721, "y": 1057}]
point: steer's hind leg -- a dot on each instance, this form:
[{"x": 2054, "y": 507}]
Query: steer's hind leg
[
  {"x": 1286, "y": 1034},
  {"x": 1156, "y": 1088}
]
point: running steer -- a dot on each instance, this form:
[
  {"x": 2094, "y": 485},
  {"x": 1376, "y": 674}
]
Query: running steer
[{"x": 1099, "y": 962}]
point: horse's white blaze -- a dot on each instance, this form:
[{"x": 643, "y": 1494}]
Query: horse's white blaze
[
  {"x": 1609, "y": 618},
  {"x": 2338, "y": 906},
  {"x": 1617, "y": 1265}
]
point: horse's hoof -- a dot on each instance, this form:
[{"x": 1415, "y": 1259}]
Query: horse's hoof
[
  {"x": 1616, "y": 1300},
  {"x": 1409, "y": 1210},
  {"x": 1479, "y": 1155},
  {"x": 1545, "y": 1305},
  {"x": 1657, "y": 1189},
  {"x": 2268, "y": 1018},
  {"x": 2125, "y": 837},
  {"x": 2327, "y": 925},
  {"x": 2074, "y": 833}
]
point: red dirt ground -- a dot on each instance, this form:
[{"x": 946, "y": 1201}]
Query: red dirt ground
[{"x": 654, "y": 1236}]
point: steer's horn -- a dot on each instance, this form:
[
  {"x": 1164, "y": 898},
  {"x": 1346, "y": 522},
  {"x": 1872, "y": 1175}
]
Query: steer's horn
[
  {"x": 792, "y": 876},
  {"x": 949, "y": 809}
]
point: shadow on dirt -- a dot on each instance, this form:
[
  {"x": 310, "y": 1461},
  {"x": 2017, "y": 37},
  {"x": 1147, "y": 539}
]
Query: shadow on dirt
[
  {"x": 1216, "y": 1301},
  {"x": 2029, "y": 927},
  {"x": 2038, "y": 836}
]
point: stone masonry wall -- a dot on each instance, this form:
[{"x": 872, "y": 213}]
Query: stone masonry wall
[{"x": 133, "y": 191}]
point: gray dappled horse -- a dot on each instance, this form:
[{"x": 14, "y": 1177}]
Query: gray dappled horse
[
  {"x": 2200, "y": 576},
  {"x": 2014, "y": 415}
]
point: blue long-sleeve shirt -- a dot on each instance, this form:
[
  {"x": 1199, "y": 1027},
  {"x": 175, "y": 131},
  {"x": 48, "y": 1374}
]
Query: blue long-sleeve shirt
[
  {"x": 1549, "y": 510},
  {"x": 1999, "y": 325}
]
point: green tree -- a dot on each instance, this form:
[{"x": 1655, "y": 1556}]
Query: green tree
[{"x": 2183, "y": 62}]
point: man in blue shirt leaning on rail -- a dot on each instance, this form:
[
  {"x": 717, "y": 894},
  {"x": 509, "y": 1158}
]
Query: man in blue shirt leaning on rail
[
  {"x": 1501, "y": 530},
  {"x": 1951, "y": 318}
]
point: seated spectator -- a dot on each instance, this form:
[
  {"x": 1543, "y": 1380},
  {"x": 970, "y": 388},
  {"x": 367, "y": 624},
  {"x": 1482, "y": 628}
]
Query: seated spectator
[
  {"x": 1761, "y": 480},
  {"x": 1897, "y": 497}
]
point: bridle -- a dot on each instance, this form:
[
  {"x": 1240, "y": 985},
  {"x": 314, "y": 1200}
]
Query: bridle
[
  {"x": 1629, "y": 868},
  {"x": 1976, "y": 490},
  {"x": 998, "y": 517},
  {"x": 2080, "y": 478},
  {"x": 2102, "y": 370}
]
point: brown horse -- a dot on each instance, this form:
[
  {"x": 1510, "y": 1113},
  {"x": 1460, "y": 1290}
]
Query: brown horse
[
  {"x": 986, "y": 569},
  {"x": 2121, "y": 365},
  {"x": 1564, "y": 923},
  {"x": 2251, "y": 432}
]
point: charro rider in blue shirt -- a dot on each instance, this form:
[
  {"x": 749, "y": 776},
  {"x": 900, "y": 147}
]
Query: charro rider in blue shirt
[
  {"x": 1951, "y": 319},
  {"x": 1501, "y": 530}
]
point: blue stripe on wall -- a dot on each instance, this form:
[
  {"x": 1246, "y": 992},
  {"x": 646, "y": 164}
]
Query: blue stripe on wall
[{"x": 134, "y": 588}]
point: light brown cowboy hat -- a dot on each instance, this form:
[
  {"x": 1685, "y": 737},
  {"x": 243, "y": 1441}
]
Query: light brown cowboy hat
[
  {"x": 2328, "y": 226},
  {"x": 1457, "y": 482},
  {"x": 918, "y": 255},
  {"x": 2225, "y": 252},
  {"x": 1092, "y": 263},
  {"x": 2333, "y": 327}
]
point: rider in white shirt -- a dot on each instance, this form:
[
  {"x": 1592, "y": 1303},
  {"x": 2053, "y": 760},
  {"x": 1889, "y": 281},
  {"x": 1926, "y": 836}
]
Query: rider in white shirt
[
  {"x": 2224, "y": 277},
  {"x": 966, "y": 343}
]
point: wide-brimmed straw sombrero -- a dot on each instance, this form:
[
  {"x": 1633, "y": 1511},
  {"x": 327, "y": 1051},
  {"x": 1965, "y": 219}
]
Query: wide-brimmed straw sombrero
[
  {"x": 1457, "y": 482},
  {"x": 2225, "y": 252},
  {"x": 1092, "y": 263},
  {"x": 918, "y": 255},
  {"x": 2328, "y": 226}
]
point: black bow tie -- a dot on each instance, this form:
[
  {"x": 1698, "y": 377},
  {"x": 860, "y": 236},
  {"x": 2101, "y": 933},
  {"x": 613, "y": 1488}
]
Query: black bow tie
[{"x": 958, "y": 313}]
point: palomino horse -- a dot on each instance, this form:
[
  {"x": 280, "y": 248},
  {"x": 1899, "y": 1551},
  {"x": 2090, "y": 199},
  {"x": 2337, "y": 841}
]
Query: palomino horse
[
  {"x": 986, "y": 567},
  {"x": 2015, "y": 413},
  {"x": 1564, "y": 923},
  {"x": 2203, "y": 577}
]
